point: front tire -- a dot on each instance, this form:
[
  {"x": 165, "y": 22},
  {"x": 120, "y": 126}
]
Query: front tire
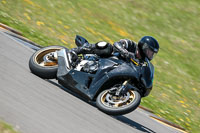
[
  {"x": 120, "y": 106},
  {"x": 39, "y": 68}
]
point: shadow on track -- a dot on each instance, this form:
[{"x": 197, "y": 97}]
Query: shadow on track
[
  {"x": 133, "y": 124},
  {"x": 120, "y": 118}
]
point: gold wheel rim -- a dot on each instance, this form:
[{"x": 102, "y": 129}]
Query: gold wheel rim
[
  {"x": 40, "y": 61},
  {"x": 117, "y": 105}
]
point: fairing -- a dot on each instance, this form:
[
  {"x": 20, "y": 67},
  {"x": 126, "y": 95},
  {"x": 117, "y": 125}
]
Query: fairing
[
  {"x": 147, "y": 75},
  {"x": 89, "y": 85}
]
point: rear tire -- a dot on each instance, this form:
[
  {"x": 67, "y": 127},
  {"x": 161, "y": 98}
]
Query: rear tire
[{"x": 35, "y": 63}]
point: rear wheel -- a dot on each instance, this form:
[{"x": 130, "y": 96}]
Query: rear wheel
[
  {"x": 118, "y": 105},
  {"x": 43, "y": 64}
]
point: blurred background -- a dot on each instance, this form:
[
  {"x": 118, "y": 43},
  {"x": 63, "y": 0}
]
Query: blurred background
[{"x": 174, "y": 23}]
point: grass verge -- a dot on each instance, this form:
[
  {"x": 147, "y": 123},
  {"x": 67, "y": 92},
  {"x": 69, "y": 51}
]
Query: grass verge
[{"x": 5, "y": 128}]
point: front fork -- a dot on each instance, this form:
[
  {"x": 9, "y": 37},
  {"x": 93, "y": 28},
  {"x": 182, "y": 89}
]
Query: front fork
[{"x": 122, "y": 89}]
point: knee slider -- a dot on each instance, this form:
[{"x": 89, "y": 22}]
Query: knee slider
[{"x": 101, "y": 45}]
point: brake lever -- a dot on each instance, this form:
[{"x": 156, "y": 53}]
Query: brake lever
[
  {"x": 135, "y": 62},
  {"x": 132, "y": 58}
]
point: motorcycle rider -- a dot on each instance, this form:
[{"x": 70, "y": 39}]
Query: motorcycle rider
[{"x": 147, "y": 47}]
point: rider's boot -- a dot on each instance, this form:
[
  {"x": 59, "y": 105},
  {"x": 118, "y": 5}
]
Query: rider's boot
[{"x": 74, "y": 52}]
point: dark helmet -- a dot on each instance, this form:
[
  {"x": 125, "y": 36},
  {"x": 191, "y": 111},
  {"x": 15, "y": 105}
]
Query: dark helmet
[{"x": 148, "y": 47}]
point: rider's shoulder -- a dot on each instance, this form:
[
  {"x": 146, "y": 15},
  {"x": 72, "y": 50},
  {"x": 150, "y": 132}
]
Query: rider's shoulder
[{"x": 128, "y": 42}]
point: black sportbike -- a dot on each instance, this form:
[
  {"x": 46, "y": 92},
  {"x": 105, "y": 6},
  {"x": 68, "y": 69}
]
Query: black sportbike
[{"x": 115, "y": 84}]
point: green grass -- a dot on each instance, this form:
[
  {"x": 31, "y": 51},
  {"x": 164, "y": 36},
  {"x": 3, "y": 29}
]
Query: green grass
[
  {"x": 176, "y": 92},
  {"x": 5, "y": 128}
]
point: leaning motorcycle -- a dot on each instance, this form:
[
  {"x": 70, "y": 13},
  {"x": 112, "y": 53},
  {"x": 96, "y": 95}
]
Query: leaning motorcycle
[{"x": 115, "y": 84}]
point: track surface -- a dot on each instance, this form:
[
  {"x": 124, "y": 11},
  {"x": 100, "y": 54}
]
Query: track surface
[{"x": 33, "y": 105}]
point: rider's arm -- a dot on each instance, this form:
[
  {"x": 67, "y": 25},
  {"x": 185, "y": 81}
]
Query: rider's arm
[{"x": 124, "y": 46}]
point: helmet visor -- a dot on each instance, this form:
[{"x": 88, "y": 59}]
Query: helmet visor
[{"x": 149, "y": 53}]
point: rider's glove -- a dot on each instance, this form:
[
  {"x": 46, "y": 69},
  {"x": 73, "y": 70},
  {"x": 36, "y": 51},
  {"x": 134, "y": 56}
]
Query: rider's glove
[
  {"x": 125, "y": 54},
  {"x": 130, "y": 56}
]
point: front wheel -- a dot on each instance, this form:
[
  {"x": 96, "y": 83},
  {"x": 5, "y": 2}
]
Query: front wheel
[{"x": 118, "y": 105}]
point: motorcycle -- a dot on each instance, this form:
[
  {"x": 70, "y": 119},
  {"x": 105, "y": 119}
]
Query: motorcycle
[{"x": 116, "y": 85}]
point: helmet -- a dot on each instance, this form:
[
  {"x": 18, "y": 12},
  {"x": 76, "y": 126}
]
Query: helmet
[{"x": 148, "y": 47}]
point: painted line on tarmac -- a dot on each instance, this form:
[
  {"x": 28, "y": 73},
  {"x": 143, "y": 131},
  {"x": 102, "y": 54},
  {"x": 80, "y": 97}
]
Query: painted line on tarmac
[
  {"x": 169, "y": 124},
  {"x": 10, "y": 29},
  {"x": 146, "y": 109}
]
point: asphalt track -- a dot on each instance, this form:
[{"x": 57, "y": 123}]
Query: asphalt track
[{"x": 34, "y": 105}]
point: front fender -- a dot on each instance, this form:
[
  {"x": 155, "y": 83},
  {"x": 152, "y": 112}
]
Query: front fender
[{"x": 121, "y": 72}]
